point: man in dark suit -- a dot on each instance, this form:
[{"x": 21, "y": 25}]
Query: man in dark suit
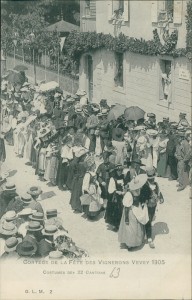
[
  {"x": 46, "y": 245},
  {"x": 135, "y": 169}
]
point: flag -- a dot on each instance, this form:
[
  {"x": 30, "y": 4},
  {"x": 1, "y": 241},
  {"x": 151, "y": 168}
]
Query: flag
[{"x": 62, "y": 43}]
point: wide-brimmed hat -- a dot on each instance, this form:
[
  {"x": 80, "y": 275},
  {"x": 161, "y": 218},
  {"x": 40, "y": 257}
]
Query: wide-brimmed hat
[
  {"x": 8, "y": 229},
  {"x": 152, "y": 132},
  {"x": 139, "y": 127},
  {"x": 10, "y": 186},
  {"x": 26, "y": 248},
  {"x": 151, "y": 115},
  {"x": 11, "y": 244},
  {"x": 81, "y": 152},
  {"x": 34, "y": 226},
  {"x": 70, "y": 100},
  {"x": 10, "y": 216},
  {"x": 118, "y": 134},
  {"x": 24, "y": 89},
  {"x": 182, "y": 114},
  {"x": 137, "y": 182},
  {"x": 26, "y": 84},
  {"x": 81, "y": 93},
  {"x": 26, "y": 198},
  {"x": 136, "y": 161},
  {"x": 55, "y": 254},
  {"x": 37, "y": 216},
  {"x": 26, "y": 211},
  {"x": 166, "y": 119},
  {"x": 118, "y": 167},
  {"x": 50, "y": 230},
  {"x": 34, "y": 191},
  {"x": 52, "y": 212},
  {"x": 151, "y": 173},
  {"x": 90, "y": 161}
]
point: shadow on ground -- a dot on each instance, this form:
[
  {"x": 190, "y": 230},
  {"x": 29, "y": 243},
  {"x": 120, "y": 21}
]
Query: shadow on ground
[
  {"x": 159, "y": 228},
  {"x": 47, "y": 195},
  {"x": 12, "y": 173}
]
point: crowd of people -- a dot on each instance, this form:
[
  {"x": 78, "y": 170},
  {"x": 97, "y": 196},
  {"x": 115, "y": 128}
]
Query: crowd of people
[{"x": 109, "y": 164}]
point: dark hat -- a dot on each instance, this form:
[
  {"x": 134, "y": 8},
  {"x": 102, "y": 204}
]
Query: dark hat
[
  {"x": 151, "y": 115},
  {"x": 118, "y": 167},
  {"x": 37, "y": 216},
  {"x": 151, "y": 173},
  {"x": 52, "y": 212},
  {"x": 34, "y": 191},
  {"x": 26, "y": 248},
  {"x": 118, "y": 134},
  {"x": 34, "y": 226},
  {"x": 182, "y": 114},
  {"x": 166, "y": 119},
  {"x": 173, "y": 124},
  {"x": 136, "y": 161}
]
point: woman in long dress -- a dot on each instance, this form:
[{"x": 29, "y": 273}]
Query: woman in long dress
[
  {"x": 162, "y": 154},
  {"x": 135, "y": 216},
  {"x": 91, "y": 192},
  {"x": 79, "y": 170},
  {"x": 66, "y": 158},
  {"x": 116, "y": 191}
]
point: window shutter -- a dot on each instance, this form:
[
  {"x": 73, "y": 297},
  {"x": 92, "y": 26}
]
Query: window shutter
[
  {"x": 126, "y": 10},
  {"x": 177, "y": 12},
  {"x": 93, "y": 8},
  {"x": 110, "y": 9},
  {"x": 154, "y": 11}
]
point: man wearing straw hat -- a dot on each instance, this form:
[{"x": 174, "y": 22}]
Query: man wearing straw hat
[
  {"x": 10, "y": 248},
  {"x": 47, "y": 245}
]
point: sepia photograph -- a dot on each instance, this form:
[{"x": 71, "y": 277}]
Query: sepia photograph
[{"x": 95, "y": 149}]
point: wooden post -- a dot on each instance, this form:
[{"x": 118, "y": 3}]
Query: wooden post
[
  {"x": 58, "y": 65},
  {"x": 34, "y": 67},
  {"x": 45, "y": 65}
]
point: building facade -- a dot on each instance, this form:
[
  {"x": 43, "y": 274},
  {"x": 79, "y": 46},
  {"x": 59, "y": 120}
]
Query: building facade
[{"x": 158, "y": 83}]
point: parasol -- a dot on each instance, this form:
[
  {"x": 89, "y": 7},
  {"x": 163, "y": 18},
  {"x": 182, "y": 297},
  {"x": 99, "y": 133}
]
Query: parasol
[
  {"x": 14, "y": 77},
  {"x": 116, "y": 111},
  {"x": 20, "y": 68},
  {"x": 49, "y": 86},
  {"x": 134, "y": 113}
]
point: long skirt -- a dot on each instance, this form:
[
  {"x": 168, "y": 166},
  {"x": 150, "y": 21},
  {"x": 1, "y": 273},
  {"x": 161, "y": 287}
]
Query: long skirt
[
  {"x": 162, "y": 164},
  {"x": 53, "y": 169},
  {"x": 21, "y": 143},
  {"x": 183, "y": 173},
  {"x": 47, "y": 168},
  {"x": 41, "y": 161},
  {"x": 76, "y": 192},
  {"x": 28, "y": 148},
  {"x": 63, "y": 169},
  {"x": 133, "y": 234},
  {"x": 114, "y": 210},
  {"x": 9, "y": 137}
]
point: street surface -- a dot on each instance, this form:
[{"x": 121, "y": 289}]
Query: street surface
[{"x": 171, "y": 227}]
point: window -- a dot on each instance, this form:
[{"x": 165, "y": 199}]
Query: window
[
  {"x": 166, "y": 9},
  {"x": 119, "y": 70},
  {"x": 87, "y": 8},
  {"x": 165, "y": 81},
  {"x": 118, "y": 9}
]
